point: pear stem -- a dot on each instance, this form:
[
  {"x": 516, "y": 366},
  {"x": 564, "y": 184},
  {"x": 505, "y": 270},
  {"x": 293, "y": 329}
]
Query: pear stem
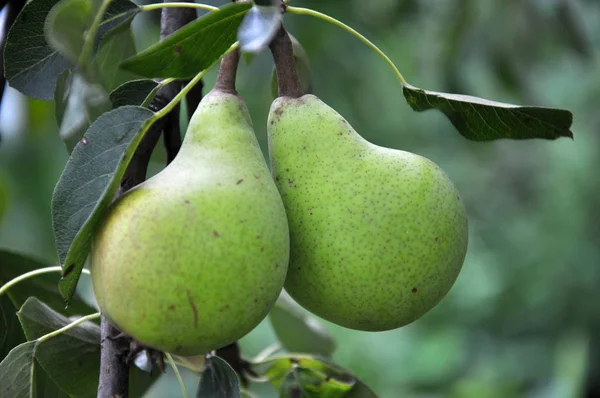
[
  {"x": 283, "y": 56},
  {"x": 227, "y": 73}
]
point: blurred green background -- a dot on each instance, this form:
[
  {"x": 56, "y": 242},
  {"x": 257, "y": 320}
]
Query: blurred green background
[{"x": 523, "y": 319}]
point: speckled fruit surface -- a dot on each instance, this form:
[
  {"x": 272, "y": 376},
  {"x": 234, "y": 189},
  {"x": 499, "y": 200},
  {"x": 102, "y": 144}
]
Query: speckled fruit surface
[
  {"x": 195, "y": 257},
  {"x": 377, "y": 236}
]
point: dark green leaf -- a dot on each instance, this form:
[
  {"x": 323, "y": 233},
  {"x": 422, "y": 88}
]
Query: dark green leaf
[
  {"x": 360, "y": 390},
  {"x": 42, "y": 286},
  {"x": 313, "y": 377},
  {"x": 259, "y": 27},
  {"x": 71, "y": 359},
  {"x": 11, "y": 334},
  {"x": 482, "y": 120},
  {"x": 192, "y": 48},
  {"x": 65, "y": 25},
  {"x": 135, "y": 92},
  {"x": 85, "y": 103},
  {"x": 31, "y": 65},
  {"x": 17, "y": 372},
  {"x": 88, "y": 184},
  {"x": 218, "y": 380},
  {"x": 118, "y": 12},
  {"x": 116, "y": 45},
  {"x": 298, "y": 331}
]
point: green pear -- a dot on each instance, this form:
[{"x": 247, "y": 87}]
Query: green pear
[
  {"x": 377, "y": 236},
  {"x": 194, "y": 258}
]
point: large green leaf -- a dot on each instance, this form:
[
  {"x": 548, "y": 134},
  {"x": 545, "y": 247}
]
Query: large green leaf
[
  {"x": 88, "y": 184},
  {"x": 71, "y": 359},
  {"x": 116, "y": 45},
  {"x": 32, "y": 66},
  {"x": 78, "y": 104},
  {"x": 192, "y": 48},
  {"x": 298, "y": 331},
  {"x": 218, "y": 380},
  {"x": 65, "y": 25},
  {"x": 313, "y": 377},
  {"x": 135, "y": 92},
  {"x": 482, "y": 120},
  {"x": 17, "y": 372},
  {"x": 44, "y": 286}
]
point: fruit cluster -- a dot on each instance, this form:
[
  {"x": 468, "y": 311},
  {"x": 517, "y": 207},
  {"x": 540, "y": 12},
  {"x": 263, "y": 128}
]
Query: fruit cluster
[{"x": 367, "y": 237}]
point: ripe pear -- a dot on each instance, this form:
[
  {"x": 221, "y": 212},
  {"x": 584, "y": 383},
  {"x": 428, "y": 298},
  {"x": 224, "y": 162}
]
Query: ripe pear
[
  {"x": 377, "y": 236},
  {"x": 194, "y": 258}
]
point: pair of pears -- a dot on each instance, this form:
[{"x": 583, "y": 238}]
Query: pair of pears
[{"x": 193, "y": 259}]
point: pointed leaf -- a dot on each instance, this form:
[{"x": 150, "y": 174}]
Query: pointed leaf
[
  {"x": 65, "y": 25},
  {"x": 258, "y": 28},
  {"x": 116, "y": 45},
  {"x": 88, "y": 184},
  {"x": 192, "y": 48},
  {"x": 32, "y": 66},
  {"x": 298, "y": 331},
  {"x": 482, "y": 120},
  {"x": 360, "y": 390},
  {"x": 218, "y": 380},
  {"x": 71, "y": 359},
  {"x": 42, "y": 286},
  {"x": 85, "y": 103},
  {"x": 17, "y": 372},
  {"x": 135, "y": 92},
  {"x": 11, "y": 334}
]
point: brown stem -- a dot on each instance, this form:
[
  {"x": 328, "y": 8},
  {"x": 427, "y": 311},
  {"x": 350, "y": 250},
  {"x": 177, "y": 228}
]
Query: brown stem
[
  {"x": 114, "y": 366},
  {"x": 283, "y": 56},
  {"x": 227, "y": 73}
]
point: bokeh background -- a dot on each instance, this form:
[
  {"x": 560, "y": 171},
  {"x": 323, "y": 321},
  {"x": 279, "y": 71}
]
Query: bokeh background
[{"x": 523, "y": 319}]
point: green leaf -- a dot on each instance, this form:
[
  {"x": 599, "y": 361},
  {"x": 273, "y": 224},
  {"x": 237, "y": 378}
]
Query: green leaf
[
  {"x": 42, "y": 286},
  {"x": 218, "y": 380},
  {"x": 313, "y": 377},
  {"x": 17, "y": 372},
  {"x": 3, "y": 196},
  {"x": 192, "y": 48},
  {"x": 11, "y": 334},
  {"x": 31, "y": 65},
  {"x": 84, "y": 103},
  {"x": 298, "y": 331},
  {"x": 65, "y": 25},
  {"x": 88, "y": 184},
  {"x": 482, "y": 120},
  {"x": 135, "y": 92},
  {"x": 360, "y": 390},
  {"x": 71, "y": 359},
  {"x": 118, "y": 12},
  {"x": 116, "y": 45}
]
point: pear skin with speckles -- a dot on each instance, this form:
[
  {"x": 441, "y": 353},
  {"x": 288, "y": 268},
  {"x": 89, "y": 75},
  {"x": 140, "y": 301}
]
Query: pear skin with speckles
[
  {"x": 377, "y": 236},
  {"x": 195, "y": 257}
]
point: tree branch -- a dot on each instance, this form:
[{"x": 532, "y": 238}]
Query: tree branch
[{"x": 116, "y": 350}]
